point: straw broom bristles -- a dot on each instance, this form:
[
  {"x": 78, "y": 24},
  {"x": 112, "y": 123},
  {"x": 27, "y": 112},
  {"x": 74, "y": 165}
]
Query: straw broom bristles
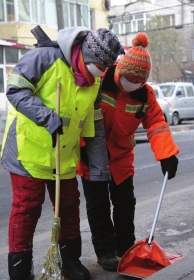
[{"x": 53, "y": 263}]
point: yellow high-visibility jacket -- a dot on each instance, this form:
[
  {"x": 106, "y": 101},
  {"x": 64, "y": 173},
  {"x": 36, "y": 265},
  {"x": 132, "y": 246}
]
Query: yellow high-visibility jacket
[{"x": 27, "y": 145}]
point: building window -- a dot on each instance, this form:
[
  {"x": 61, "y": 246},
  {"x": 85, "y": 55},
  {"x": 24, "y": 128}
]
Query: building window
[
  {"x": 10, "y": 10},
  {"x": 139, "y": 21},
  {"x": 7, "y": 11},
  {"x": 11, "y": 55},
  {"x": 1, "y": 81},
  {"x": 2, "y": 15},
  {"x": 168, "y": 20},
  {"x": 42, "y": 12},
  {"x": 1, "y": 55},
  {"x": 129, "y": 23},
  {"x": 92, "y": 19},
  {"x": 84, "y": 14},
  {"x": 24, "y": 10},
  {"x": 51, "y": 13},
  {"x": 76, "y": 13},
  {"x": 119, "y": 25},
  {"x": 35, "y": 11},
  {"x": 32, "y": 11},
  {"x": 22, "y": 52}
]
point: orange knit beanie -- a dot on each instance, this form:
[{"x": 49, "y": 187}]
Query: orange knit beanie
[{"x": 135, "y": 65}]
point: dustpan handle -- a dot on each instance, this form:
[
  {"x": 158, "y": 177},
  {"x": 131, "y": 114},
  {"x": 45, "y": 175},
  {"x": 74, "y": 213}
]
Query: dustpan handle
[{"x": 158, "y": 208}]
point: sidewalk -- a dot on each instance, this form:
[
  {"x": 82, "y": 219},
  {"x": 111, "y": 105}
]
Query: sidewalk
[
  {"x": 183, "y": 269},
  {"x": 1, "y": 138}
]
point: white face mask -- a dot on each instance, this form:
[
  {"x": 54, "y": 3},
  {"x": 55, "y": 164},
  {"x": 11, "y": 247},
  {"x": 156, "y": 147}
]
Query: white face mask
[
  {"x": 128, "y": 86},
  {"x": 94, "y": 70}
]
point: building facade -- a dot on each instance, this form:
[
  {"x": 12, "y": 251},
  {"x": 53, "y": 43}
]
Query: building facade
[
  {"x": 18, "y": 17},
  {"x": 170, "y": 27}
]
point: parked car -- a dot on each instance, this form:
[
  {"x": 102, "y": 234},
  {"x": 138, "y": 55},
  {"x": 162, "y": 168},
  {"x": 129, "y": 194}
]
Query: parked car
[
  {"x": 164, "y": 104},
  {"x": 180, "y": 96}
]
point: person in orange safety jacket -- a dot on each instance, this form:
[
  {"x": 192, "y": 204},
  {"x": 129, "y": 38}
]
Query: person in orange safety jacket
[{"x": 127, "y": 101}]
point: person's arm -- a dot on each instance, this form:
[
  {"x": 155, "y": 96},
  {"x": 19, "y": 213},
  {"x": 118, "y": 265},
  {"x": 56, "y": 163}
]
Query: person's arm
[
  {"x": 160, "y": 138},
  {"x": 21, "y": 89},
  {"x": 95, "y": 147}
]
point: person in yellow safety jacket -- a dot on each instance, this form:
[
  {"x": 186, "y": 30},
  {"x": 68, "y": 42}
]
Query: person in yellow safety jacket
[
  {"x": 76, "y": 60},
  {"x": 127, "y": 101}
]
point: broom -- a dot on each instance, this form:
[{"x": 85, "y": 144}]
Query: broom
[{"x": 53, "y": 262}]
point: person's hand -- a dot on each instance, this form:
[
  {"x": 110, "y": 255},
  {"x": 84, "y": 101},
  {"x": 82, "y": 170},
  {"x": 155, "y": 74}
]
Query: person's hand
[
  {"x": 169, "y": 164},
  {"x": 54, "y": 135}
]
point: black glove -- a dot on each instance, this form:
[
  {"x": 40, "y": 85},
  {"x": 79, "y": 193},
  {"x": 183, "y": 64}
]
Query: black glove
[
  {"x": 54, "y": 135},
  {"x": 170, "y": 165}
]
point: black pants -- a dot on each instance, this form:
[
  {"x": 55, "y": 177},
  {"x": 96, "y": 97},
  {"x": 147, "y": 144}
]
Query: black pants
[{"x": 116, "y": 234}]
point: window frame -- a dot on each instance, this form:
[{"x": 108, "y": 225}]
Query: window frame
[
  {"x": 130, "y": 23},
  {"x": 38, "y": 13},
  {"x": 3, "y": 72},
  {"x": 71, "y": 9},
  {"x": 9, "y": 66}
]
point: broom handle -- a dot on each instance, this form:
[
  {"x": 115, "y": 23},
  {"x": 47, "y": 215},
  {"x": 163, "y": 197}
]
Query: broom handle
[
  {"x": 57, "y": 188},
  {"x": 158, "y": 208}
]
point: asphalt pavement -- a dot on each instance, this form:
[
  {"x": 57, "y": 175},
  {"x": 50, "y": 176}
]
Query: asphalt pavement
[
  {"x": 1, "y": 138},
  {"x": 182, "y": 269}
]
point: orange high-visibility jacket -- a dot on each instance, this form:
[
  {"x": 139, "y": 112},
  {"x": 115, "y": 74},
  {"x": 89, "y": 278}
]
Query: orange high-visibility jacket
[{"x": 120, "y": 111}]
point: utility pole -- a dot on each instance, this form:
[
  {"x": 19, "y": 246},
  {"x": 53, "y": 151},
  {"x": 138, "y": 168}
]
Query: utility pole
[
  {"x": 60, "y": 16},
  {"x": 182, "y": 20}
]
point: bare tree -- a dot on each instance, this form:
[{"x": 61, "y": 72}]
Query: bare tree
[{"x": 165, "y": 49}]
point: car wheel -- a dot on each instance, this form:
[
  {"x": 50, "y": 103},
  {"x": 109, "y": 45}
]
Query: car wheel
[{"x": 175, "y": 119}]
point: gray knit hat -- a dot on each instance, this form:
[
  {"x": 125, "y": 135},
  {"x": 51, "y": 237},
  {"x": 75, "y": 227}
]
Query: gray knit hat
[{"x": 101, "y": 46}]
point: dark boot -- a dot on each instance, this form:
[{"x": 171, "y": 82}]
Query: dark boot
[
  {"x": 20, "y": 266},
  {"x": 108, "y": 262},
  {"x": 70, "y": 254}
]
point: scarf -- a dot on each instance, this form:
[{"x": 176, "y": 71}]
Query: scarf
[{"x": 81, "y": 73}]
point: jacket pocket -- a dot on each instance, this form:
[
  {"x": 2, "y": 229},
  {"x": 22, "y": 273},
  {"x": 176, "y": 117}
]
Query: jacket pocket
[{"x": 33, "y": 151}]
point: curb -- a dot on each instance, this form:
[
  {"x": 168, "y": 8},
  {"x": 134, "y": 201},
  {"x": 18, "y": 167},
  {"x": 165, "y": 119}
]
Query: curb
[
  {"x": 180, "y": 128},
  {"x": 182, "y": 269}
]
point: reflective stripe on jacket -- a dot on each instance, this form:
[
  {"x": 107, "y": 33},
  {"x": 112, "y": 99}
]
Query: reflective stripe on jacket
[{"x": 162, "y": 143}]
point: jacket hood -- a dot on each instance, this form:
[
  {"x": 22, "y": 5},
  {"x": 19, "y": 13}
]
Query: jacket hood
[{"x": 69, "y": 37}]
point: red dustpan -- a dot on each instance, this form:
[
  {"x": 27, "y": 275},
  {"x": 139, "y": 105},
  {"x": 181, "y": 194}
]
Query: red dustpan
[{"x": 146, "y": 257}]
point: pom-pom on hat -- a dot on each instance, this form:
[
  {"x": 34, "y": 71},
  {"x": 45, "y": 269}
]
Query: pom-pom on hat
[
  {"x": 135, "y": 65},
  {"x": 101, "y": 46}
]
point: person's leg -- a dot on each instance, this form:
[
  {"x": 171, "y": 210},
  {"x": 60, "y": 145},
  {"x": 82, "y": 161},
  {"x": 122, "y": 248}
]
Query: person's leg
[
  {"x": 70, "y": 239},
  {"x": 20, "y": 266},
  {"x": 123, "y": 201},
  {"x": 99, "y": 218},
  {"x": 28, "y": 197}
]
